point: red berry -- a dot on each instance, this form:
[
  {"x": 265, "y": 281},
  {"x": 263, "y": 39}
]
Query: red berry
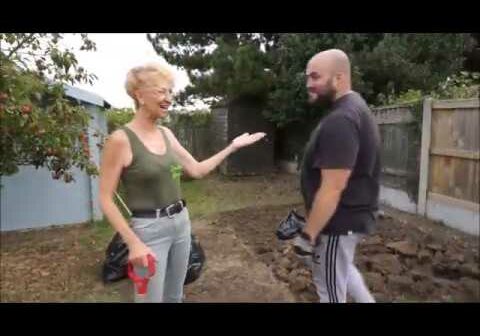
[
  {"x": 3, "y": 96},
  {"x": 26, "y": 109}
]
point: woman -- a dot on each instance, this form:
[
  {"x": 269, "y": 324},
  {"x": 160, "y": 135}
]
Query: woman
[{"x": 141, "y": 155}]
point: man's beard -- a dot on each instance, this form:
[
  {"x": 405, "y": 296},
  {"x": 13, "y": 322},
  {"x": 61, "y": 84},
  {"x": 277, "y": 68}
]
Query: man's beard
[{"x": 324, "y": 99}]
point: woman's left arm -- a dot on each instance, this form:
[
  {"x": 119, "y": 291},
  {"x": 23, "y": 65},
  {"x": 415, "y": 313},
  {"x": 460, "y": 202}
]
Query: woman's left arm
[{"x": 197, "y": 169}]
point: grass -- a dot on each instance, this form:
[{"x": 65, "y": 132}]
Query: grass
[
  {"x": 199, "y": 203},
  {"x": 212, "y": 195},
  {"x": 103, "y": 231},
  {"x": 99, "y": 232},
  {"x": 218, "y": 194},
  {"x": 111, "y": 293}
]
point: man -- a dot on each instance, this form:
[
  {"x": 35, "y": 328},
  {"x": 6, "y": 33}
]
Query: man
[{"x": 339, "y": 178}]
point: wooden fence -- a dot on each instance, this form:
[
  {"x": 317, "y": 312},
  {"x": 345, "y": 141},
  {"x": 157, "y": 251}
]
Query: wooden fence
[
  {"x": 400, "y": 155},
  {"x": 431, "y": 163},
  {"x": 449, "y": 186}
]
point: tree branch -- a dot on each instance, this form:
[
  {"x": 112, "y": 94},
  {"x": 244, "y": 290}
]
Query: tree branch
[{"x": 20, "y": 44}]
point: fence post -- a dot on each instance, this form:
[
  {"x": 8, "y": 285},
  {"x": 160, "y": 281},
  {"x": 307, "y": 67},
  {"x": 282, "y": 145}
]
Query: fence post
[{"x": 425, "y": 156}]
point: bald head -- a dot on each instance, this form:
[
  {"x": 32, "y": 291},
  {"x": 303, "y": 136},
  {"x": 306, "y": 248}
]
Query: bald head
[
  {"x": 328, "y": 76},
  {"x": 334, "y": 59}
]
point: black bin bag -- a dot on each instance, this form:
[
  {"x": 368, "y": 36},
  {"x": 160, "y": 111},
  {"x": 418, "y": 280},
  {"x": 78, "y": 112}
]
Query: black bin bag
[{"x": 116, "y": 259}]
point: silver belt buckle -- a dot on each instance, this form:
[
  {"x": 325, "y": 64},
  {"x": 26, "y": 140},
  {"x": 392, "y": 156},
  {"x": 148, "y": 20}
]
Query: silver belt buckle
[{"x": 167, "y": 210}]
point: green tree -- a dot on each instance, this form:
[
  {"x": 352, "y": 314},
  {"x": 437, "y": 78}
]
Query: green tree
[
  {"x": 39, "y": 125},
  {"x": 271, "y": 66},
  {"x": 287, "y": 101},
  {"x": 402, "y": 62},
  {"x": 220, "y": 65}
]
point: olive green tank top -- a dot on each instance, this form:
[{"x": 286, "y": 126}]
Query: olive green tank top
[{"x": 148, "y": 180}]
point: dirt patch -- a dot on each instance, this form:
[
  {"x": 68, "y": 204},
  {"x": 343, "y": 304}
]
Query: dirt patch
[
  {"x": 232, "y": 273},
  {"x": 55, "y": 265},
  {"x": 407, "y": 259}
]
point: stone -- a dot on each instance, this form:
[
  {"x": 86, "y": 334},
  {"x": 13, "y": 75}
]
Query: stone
[
  {"x": 263, "y": 250},
  {"x": 293, "y": 276},
  {"x": 424, "y": 257},
  {"x": 443, "y": 283},
  {"x": 268, "y": 259},
  {"x": 471, "y": 286},
  {"x": 375, "y": 281},
  {"x": 424, "y": 288},
  {"x": 446, "y": 270},
  {"x": 386, "y": 264},
  {"x": 373, "y": 249},
  {"x": 418, "y": 275},
  {"x": 422, "y": 229},
  {"x": 435, "y": 247},
  {"x": 285, "y": 263},
  {"x": 470, "y": 270},
  {"x": 374, "y": 240},
  {"x": 403, "y": 247},
  {"x": 400, "y": 282},
  {"x": 429, "y": 238},
  {"x": 282, "y": 274},
  {"x": 299, "y": 284},
  {"x": 438, "y": 258},
  {"x": 456, "y": 257},
  {"x": 409, "y": 263},
  {"x": 285, "y": 250}
]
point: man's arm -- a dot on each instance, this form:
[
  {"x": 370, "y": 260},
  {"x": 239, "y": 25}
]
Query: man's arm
[{"x": 326, "y": 200}]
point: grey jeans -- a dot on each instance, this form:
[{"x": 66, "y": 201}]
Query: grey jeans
[{"x": 169, "y": 238}]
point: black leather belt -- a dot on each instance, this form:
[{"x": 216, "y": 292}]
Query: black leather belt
[{"x": 169, "y": 211}]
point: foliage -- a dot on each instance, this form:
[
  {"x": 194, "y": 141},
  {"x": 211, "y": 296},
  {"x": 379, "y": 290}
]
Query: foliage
[
  {"x": 271, "y": 66},
  {"x": 117, "y": 117},
  {"x": 462, "y": 85},
  {"x": 39, "y": 125},
  {"x": 195, "y": 118}
]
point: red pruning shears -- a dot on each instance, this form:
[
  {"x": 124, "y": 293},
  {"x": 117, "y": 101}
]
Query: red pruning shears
[{"x": 141, "y": 283}]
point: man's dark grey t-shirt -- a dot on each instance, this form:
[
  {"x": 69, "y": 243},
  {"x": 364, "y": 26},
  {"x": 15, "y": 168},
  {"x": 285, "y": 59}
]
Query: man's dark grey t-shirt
[{"x": 347, "y": 138}]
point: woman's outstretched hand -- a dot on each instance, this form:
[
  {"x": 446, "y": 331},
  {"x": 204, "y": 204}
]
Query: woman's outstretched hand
[{"x": 247, "y": 139}]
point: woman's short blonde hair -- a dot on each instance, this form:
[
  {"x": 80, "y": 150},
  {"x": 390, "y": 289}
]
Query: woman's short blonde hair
[{"x": 144, "y": 74}]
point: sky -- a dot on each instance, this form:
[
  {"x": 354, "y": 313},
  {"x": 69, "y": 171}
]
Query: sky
[{"x": 115, "y": 55}]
